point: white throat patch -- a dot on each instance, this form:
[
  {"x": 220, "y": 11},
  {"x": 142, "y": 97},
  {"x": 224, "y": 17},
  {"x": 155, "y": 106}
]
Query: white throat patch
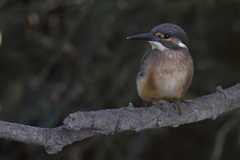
[
  {"x": 182, "y": 45},
  {"x": 160, "y": 47},
  {"x": 157, "y": 45}
]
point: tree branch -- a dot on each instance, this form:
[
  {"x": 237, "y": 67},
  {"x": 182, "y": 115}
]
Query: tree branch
[{"x": 80, "y": 125}]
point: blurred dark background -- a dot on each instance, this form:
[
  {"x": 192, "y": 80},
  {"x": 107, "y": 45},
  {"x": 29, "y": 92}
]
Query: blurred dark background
[{"x": 62, "y": 56}]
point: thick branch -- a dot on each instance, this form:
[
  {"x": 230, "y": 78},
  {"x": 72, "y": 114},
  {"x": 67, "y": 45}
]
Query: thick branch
[{"x": 80, "y": 125}]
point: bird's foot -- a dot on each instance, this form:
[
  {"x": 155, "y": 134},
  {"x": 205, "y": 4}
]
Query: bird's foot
[
  {"x": 156, "y": 103},
  {"x": 177, "y": 105}
]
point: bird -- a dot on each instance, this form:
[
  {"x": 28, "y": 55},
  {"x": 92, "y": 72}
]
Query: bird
[{"x": 167, "y": 68}]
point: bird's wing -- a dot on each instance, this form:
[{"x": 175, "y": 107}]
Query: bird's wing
[{"x": 144, "y": 62}]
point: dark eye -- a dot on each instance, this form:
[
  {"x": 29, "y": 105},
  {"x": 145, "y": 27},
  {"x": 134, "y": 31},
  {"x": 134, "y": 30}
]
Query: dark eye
[{"x": 166, "y": 35}]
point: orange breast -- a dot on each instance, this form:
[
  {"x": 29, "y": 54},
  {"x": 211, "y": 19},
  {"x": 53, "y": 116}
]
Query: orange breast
[{"x": 168, "y": 75}]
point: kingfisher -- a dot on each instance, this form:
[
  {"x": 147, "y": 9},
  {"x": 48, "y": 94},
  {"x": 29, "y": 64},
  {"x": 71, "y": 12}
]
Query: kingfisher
[{"x": 167, "y": 68}]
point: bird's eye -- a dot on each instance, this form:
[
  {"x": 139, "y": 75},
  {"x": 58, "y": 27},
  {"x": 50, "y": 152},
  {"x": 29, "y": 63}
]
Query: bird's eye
[{"x": 166, "y": 35}]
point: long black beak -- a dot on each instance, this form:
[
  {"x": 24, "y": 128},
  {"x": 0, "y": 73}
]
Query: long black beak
[{"x": 145, "y": 36}]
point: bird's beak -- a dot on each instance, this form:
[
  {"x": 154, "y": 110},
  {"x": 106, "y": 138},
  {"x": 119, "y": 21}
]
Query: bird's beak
[{"x": 145, "y": 36}]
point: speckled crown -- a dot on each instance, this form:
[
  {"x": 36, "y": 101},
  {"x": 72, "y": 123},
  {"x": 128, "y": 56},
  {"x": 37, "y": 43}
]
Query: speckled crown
[{"x": 173, "y": 30}]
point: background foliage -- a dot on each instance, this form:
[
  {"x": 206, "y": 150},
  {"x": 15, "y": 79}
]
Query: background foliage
[{"x": 62, "y": 56}]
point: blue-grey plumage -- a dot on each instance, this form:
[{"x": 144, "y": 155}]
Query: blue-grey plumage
[{"x": 166, "y": 69}]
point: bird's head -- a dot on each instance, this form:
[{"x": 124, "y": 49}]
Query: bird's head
[{"x": 164, "y": 36}]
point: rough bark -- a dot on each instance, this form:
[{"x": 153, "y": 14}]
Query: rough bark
[{"x": 80, "y": 125}]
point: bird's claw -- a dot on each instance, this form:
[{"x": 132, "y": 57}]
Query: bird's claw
[
  {"x": 156, "y": 103},
  {"x": 177, "y": 105}
]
